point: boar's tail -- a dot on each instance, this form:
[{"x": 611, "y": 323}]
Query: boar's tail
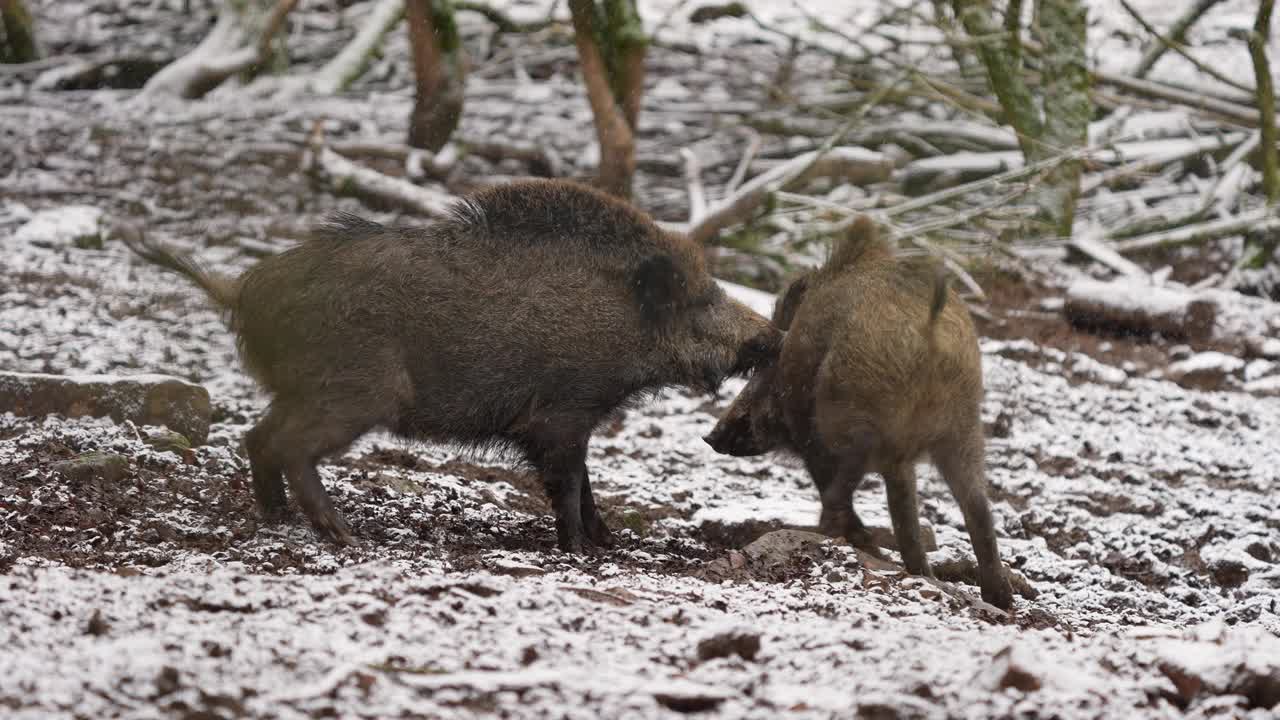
[
  {"x": 938, "y": 301},
  {"x": 221, "y": 289}
]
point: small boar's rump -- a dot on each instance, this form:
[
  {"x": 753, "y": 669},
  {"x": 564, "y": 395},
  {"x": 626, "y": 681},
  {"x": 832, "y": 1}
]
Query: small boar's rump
[
  {"x": 521, "y": 322},
  {"x": 880, "y": 366}
]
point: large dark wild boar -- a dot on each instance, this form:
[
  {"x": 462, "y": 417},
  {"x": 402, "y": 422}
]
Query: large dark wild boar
[
  {"x": 879, "y": 366},
  {"x": 521, "y": 322}
]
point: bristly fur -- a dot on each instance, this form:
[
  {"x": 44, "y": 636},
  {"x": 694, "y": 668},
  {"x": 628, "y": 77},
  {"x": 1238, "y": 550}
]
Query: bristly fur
[
  {"x": 547, "y": 211},
  {"x": 344, "y": 226}
]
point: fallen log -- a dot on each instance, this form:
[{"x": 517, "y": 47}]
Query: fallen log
[
  {"x": 348, "y": 178},
  {"x": 1137, "y": 308}
]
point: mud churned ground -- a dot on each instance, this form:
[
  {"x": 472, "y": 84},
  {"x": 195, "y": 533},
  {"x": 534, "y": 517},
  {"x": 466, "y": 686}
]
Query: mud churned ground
[{"x": 1144, "y": 515}]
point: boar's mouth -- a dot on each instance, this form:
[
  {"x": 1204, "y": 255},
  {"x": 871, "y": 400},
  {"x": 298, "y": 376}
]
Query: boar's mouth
[{"x": 758, "y": 352}]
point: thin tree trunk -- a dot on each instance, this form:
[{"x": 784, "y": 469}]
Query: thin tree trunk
[
  {"x": 17, "y": 33},
  {"x": 439, "y": 65},
  {"x": 1176, "y": 34},
  {"x": 1002, "y": 72},
  {"x": 611, "y": 46},
  {"x": 1067, "y": 107},
  {"x": 1262, "y": 251}
]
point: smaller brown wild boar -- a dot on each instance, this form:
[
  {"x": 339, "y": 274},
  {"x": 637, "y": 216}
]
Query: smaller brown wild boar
[
  {"x": 519, "y": 323},
  {"x": 878, "y": 367}
]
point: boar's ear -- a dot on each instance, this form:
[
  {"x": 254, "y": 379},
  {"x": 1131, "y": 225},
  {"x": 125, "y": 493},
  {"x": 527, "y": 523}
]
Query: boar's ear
[
  {"x": 658, "y": 286},
  {"x": 784, "y": 310},
  {"x": 860, "y": 241}
]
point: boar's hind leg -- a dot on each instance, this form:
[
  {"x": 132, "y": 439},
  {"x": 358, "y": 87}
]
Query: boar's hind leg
[
  {"x": 596, "y": 530},
  {"x": 268, "y": 476},
  {"x": 307, "y": 433},
  {"x": 904, "y": 511},
  {"x": 961, "y": 463},
  {"x": 836, "y": 480}
]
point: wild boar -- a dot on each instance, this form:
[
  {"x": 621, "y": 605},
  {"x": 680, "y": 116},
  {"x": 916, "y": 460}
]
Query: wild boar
[
  {"x": 880, "y": 365},
  {"x": 520, "y": 322}
]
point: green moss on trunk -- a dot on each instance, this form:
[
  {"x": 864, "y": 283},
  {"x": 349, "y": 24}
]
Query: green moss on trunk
[{"x": 17, "y": 33}]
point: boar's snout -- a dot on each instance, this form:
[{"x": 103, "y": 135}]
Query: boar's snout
[
  {"x": 760, "y": 349},
  {"x": 732, "y": 439}
]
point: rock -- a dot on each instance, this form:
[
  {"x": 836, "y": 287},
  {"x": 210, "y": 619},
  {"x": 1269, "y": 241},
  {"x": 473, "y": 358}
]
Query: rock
[
  {"x": 1258, "y": 551},
  {"x": 1229, "y": 573},
  {"x": 781, "y": 548},
  {"x": 1015, "y": 667},
  {"x": 168, "y": 441},
  {"x": 502, "y": 566},
  {"x": 142, "y": 399},
  {"x": 1216, "y": 660},
  {"x": 93, "y": 465},
  {"x": 741, "y": 642},
  {"x": 97, "y": 626},
  {"x": 707, "y": 13},
  {"x": 1207, "y": 369},
  {"x": 962, "y": 568},
  {"x": 685, "y": 696},
  {"x": 78, "y": 226},
  {"x": 883, "y": 537}
]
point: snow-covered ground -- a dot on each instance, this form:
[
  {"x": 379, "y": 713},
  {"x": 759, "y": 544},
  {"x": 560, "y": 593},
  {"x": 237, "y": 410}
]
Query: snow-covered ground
[
  {"x": 1138, "y": 512},
  {"x": 1146, "y": 516}
]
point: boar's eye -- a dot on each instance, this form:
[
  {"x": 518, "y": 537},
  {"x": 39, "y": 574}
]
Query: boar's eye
[{"x": 658, "y": 286}]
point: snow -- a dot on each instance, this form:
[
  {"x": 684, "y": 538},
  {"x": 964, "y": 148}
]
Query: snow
[
  {"x": 73, "y": 225},
  {"x": 1211, "y": 361}
]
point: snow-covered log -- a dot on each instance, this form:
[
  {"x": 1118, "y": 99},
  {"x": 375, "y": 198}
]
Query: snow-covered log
[
  {"x": 239, "y": 40},
  {"x": 348, "y": 178},
  {"x": 1134, "y": 307},
  {"x": 348, "y": 64}
]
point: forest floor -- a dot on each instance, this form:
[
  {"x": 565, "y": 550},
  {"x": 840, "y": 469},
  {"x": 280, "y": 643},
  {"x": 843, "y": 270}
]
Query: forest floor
[{"x": 1145, "y": 514}]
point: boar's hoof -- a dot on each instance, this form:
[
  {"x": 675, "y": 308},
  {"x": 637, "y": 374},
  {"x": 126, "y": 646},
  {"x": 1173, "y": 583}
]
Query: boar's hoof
[
  {"x": 999, "y": 592},
  {"x": 599, "y": 533},
  {"x": 330, "y": 525},
  {"x": 574, "y": 544}
]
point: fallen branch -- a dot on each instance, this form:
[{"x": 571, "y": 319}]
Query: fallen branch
[
  {"x": 347, "y": 178},
  {"x": 693, "y": 177},
  {"x": 1176, "y": 46},
  {"x": 1258, "y": 220},
  {"x": 748, "y": 155},
  {"x": 351, "y": 62},
  {"x": 1134, "y": 307},
  {"x": 224, "y": 52},
  {"x": 1176, "y": 35},
  {"x": 854, "y": 165},
  {"x": 1091, "y": 245},
  {"x": 1146, "y": 154}
]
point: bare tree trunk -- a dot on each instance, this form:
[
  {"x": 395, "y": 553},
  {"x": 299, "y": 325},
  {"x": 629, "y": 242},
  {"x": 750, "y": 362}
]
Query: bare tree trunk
[
  {"x": 1262, "y": 251},
  {"x": 611, "y": 47},
  {"x": 1067, "y": 107},
  {"x": 439, "y": 64},
  {"x": 1003, "y": 73},
  {"x": 17, "y": 33},
  {"x": 1062, "y": 125}
]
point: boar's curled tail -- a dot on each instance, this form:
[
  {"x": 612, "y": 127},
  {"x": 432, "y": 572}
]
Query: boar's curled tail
[
  {"x": 221, "y": 289},
  {"x": 939, "y": 301}
]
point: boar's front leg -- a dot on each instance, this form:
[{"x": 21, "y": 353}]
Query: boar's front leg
[
  {"x": 836, "y": 479},
  {"x": 561, "y": 459}
]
